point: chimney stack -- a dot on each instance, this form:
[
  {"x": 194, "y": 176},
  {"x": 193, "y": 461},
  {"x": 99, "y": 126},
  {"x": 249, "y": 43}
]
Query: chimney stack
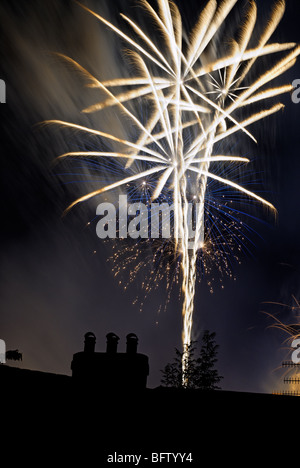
[
  {"x": 112, "y": 343},
  {"x": 131, "y": 343},
  {"x": 89, "y": 342}
]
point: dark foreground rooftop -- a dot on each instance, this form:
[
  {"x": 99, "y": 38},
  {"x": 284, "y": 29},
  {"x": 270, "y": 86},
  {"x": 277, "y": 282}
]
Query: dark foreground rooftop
[{"x": 54, "y": 413}]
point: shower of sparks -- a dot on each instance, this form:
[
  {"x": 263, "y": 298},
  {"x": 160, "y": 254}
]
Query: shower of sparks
[{"x": 194, "y": 92}]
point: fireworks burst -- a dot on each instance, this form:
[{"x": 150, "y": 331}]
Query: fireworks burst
[
  {"x": 196, "y": 95},
  {"x": 291, "y": 376}
]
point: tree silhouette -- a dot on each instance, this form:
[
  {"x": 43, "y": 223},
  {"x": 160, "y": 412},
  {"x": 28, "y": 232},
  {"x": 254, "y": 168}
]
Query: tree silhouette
[
  {"x": 200, "y": 372},
  {"x": 172, "y": 373},
  {"x": 208, "y": 376}
]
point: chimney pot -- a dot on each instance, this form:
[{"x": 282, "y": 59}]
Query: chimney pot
[
  {"x": 89, "y": 342},
  {"x": 112, "y": 343},
  {"x": 131, "y": 343}
]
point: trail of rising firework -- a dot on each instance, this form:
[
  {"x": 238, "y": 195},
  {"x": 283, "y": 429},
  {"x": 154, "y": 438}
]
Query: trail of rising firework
[{"x": 198, "y": 96}]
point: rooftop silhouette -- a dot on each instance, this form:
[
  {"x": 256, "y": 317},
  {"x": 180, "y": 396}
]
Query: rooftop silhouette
[
  {"x": 111, "y": 369},
  {"x": 100, "y": 423}
]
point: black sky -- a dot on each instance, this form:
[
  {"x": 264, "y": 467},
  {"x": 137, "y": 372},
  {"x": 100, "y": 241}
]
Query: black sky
[{"x": 54, "y": 287}]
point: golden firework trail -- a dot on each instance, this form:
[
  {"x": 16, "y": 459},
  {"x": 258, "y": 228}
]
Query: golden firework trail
[{"x": 191, "y": 85}]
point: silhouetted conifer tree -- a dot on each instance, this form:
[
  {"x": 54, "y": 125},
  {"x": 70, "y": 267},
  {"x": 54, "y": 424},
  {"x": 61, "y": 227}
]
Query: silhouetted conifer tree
[{"x": 200, "y": 372}]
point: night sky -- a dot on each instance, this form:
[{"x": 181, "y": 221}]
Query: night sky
[{"x": 56, "y": 283}]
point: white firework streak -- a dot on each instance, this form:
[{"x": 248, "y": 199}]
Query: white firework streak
[{"x": 187, "y": 92}]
